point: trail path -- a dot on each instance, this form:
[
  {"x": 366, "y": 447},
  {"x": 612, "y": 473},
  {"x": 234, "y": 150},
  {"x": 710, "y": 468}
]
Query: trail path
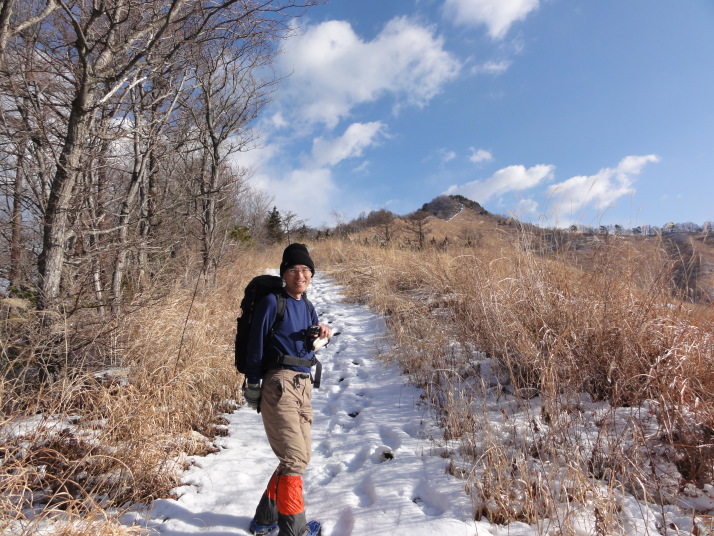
[{"x": 374, "y": 471}]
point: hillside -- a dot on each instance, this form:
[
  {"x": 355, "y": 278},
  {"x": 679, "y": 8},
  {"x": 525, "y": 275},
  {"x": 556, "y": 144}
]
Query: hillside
[
  {"x": 694, "y": 255},
  {"x": 454, "y": 221},
  {"x": 572, "y": 336}
]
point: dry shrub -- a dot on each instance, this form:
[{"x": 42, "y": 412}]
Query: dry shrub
[
  {"x": 408, "y": 291},
  {"x": 608, "y": 321},
  {"x": 117, "y": 419}
]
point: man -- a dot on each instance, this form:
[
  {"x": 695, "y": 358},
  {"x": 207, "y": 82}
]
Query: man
[{"x": 283, "y": 362}]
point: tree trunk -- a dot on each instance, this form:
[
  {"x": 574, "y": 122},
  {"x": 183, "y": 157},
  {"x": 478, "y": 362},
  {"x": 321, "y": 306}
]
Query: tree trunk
[
  {"x": 137, "y": 179},
  {"x": 208, "y": 197},
  {"x": 147, "y": 200},
  {"x": 15, "y": 275},
  {"x": 55, "y": 231}
]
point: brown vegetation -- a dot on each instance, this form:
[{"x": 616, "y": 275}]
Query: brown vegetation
[
  {"x": 120, "y": 206},
  {"x": 591, "y": 341},
  {"x": 606, "y": 326},
  {"x": 94, "y": 438}
]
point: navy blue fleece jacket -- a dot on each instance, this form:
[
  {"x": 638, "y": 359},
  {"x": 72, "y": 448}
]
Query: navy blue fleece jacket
[{"x": 289, "y": 336}]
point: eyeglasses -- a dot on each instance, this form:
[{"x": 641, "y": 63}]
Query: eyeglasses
[{"x": 295, "y": 271}]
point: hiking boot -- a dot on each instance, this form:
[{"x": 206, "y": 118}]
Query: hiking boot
[
  {"x": 314, "y": 528},
  {"x": 261, "y": 530}
]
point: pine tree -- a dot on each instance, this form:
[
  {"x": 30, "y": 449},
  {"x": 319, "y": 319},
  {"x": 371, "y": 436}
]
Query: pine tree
[{"x": 274, "y": 226}]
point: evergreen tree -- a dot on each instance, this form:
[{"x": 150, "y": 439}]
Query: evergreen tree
[
  {"x": 303, "y": 232},
  {"x": 274, "y": 226}
]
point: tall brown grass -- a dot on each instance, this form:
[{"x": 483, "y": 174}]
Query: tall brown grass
[
  {"x": 607, "y": 325},
  {"x": 114, "y": 421},
  {"x": 83, "y": 439}
]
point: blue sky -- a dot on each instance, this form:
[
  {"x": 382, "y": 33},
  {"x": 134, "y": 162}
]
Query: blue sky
[{"x": 557, "y": 111}]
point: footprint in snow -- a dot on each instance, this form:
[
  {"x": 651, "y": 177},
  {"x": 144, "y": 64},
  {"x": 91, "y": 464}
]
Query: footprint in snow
[
  {"x": 366, "y": 492},
  {"x": 345, "y": 523},
  {"x": 429, "y": 499},
  {"x": 359, "y": 459},
  {"x": 390, "y": 436},
  {"x": 330, "y": 471}
]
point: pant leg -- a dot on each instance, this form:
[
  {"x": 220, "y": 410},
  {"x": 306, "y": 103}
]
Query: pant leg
[
  {"x": 287, "y": 418},
  {"x": 306, "y": 418}
]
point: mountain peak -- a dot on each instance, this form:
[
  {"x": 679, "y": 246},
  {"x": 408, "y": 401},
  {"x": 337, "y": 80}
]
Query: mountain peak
[{"x": 446, "y": 207}]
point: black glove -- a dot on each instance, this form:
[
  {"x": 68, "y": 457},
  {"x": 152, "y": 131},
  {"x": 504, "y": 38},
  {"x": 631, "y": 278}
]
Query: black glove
[{"x": 251, "y": 393}]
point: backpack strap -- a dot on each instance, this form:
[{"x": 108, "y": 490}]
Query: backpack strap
[
  {"x": 316, "y": 363},
  {"x": 279, "y": 314}
]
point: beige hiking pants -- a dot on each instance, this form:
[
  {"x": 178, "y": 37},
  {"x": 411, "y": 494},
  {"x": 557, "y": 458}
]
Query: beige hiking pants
[{"x": 287, "y": 418}]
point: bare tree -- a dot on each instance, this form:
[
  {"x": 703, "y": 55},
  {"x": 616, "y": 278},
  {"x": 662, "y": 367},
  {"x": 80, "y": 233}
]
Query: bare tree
[
  {"x": 30, "y": 14},
  {"x": 99, "y": 53},
  {"x": 26, "y": 138},
  {"x": 229, "y": 95},
  {"x": 118, "y": 119},
  {"x": 418, "y": 226},
  {"x": 251, "y": 207},
  {"x": 152, "y": 105},
  {"x": 384, "y": 220},
  {"x": 291, "y": 225}
]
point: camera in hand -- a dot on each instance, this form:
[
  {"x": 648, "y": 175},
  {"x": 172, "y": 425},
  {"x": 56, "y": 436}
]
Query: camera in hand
[
  {"x": 312, "y": 342},
  {"x": 311, "y": 334}
]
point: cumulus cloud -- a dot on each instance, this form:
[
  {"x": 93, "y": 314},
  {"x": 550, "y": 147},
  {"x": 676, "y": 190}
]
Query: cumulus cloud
[
  {"x": 352, "y": 143},
  {"x": 306, "y": 192},
  {"x": 334, "y": 70},
  {"x": 509, "y": 179},
  {"x": 497, "y": 15},
  {"x": 602, "y": 189},
  {"x": 480, "y": 155},
  {"x": 527, "y": 206},
  {"x": 257, "y": 157},
  {"x": 309, "y": 190}
]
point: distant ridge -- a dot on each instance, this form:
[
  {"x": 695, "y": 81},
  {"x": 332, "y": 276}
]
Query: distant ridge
[{"x": 446, "y": 207}]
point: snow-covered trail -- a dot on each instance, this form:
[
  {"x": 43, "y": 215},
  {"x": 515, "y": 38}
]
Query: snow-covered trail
[{"x": 374, "y": 469}]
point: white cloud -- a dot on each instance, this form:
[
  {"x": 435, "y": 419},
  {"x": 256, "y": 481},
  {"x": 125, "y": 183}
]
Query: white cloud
[
  {"x": 497, "y": 15},
  {"x": 334, "y": 70},
  {"x": 600, "y": 190},
  {"x": 356, "y": 138},
  {"x": 509, "y": 179},
  {"x": 277, "y": 120},
  {"x": 492, "y": 67},
  {"x": 306, "y": 192},
  {"x": 362, "y": 168},
  {"x": 257, "y": 157},
  {"x": 310, "y": 191},
  {"x": 447, "y": 156},
  {"x": 480, "y": 155},
  {"x": 527, "y": 206}
]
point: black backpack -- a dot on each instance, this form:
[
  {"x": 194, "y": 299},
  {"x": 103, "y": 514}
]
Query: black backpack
[{"x": 258, "y": 288}]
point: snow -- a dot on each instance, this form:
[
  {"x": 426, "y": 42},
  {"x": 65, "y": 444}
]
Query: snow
[
  {"x": 377, "y": 465},
  {"x": 374, "y": 468}
]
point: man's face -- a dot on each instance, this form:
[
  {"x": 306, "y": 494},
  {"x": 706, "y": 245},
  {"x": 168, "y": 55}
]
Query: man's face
[{"x": 297, "y": 278}]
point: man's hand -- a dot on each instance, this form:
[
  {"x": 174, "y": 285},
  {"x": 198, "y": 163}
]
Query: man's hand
[
  {"x": 322, "y": 338},
  {"x": 251, "y": 393},
  {"x": 325, "y": 332}
]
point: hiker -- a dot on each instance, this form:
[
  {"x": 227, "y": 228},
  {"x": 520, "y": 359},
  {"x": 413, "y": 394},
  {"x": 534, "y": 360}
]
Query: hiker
[{"x": 284, "y": 399}]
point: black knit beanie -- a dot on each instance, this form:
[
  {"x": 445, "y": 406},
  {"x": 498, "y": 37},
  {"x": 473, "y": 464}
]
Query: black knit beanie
[{"x": 296, "y": 254}]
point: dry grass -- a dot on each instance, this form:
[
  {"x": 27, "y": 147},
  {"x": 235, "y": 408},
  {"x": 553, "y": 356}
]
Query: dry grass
[
  {"x": 600, "y": 329},
  {"x": 112, "y": 422},
  {"x": 593, "y": 350}
]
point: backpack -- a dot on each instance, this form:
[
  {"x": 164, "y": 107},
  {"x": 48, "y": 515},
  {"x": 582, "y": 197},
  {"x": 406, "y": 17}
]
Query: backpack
[{"x": 258, "y": 288}]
